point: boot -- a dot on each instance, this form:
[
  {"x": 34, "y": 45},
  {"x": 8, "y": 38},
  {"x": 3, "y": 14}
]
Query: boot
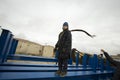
[
  {"x": 63, "y": 74},
  {"x": 58, "y": 72}
]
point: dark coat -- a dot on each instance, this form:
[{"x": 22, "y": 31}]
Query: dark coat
[
  {"x": 64, "y": 44},
  {"x": 116, "y": 64}
]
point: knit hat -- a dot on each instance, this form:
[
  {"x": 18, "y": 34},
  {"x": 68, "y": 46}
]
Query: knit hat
[{"x": 65, "y": 24}]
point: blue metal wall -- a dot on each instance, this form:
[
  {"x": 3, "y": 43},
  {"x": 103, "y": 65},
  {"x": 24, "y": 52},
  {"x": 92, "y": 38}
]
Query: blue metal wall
[{"x": 7, "y": 45}]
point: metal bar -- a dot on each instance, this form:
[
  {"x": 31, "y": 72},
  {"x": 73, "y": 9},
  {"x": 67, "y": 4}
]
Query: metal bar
[
  {"x": 4, "y": 41},
  {"x": 14, "y": 46}
]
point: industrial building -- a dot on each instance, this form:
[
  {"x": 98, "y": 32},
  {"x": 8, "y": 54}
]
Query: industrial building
[{"x": 31, "y": 48}]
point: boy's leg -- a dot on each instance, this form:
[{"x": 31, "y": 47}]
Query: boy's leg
[
  {"x": 60, "y": 62},
  {"x": 65, "y": 63}
]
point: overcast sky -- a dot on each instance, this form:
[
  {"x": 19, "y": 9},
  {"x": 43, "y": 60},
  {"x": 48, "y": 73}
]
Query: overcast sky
[{"x": 41, "y": 21}]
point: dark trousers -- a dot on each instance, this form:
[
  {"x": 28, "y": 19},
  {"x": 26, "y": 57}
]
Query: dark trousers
[{"x": 62, "y": 63}]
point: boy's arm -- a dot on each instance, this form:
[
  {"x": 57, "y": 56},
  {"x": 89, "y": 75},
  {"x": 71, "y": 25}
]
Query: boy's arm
[{"x": 57, "y": 44}]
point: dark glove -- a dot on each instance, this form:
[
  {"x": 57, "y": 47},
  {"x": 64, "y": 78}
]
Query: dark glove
[{"x": 55, "y": 49}]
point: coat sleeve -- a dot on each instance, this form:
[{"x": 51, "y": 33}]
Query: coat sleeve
[
  {"x": 57, "y": 44},
  {"x": 115, "y": 63}
]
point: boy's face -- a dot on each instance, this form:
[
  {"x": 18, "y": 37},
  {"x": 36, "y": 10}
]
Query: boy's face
[{"x": 65, "y": 27}]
